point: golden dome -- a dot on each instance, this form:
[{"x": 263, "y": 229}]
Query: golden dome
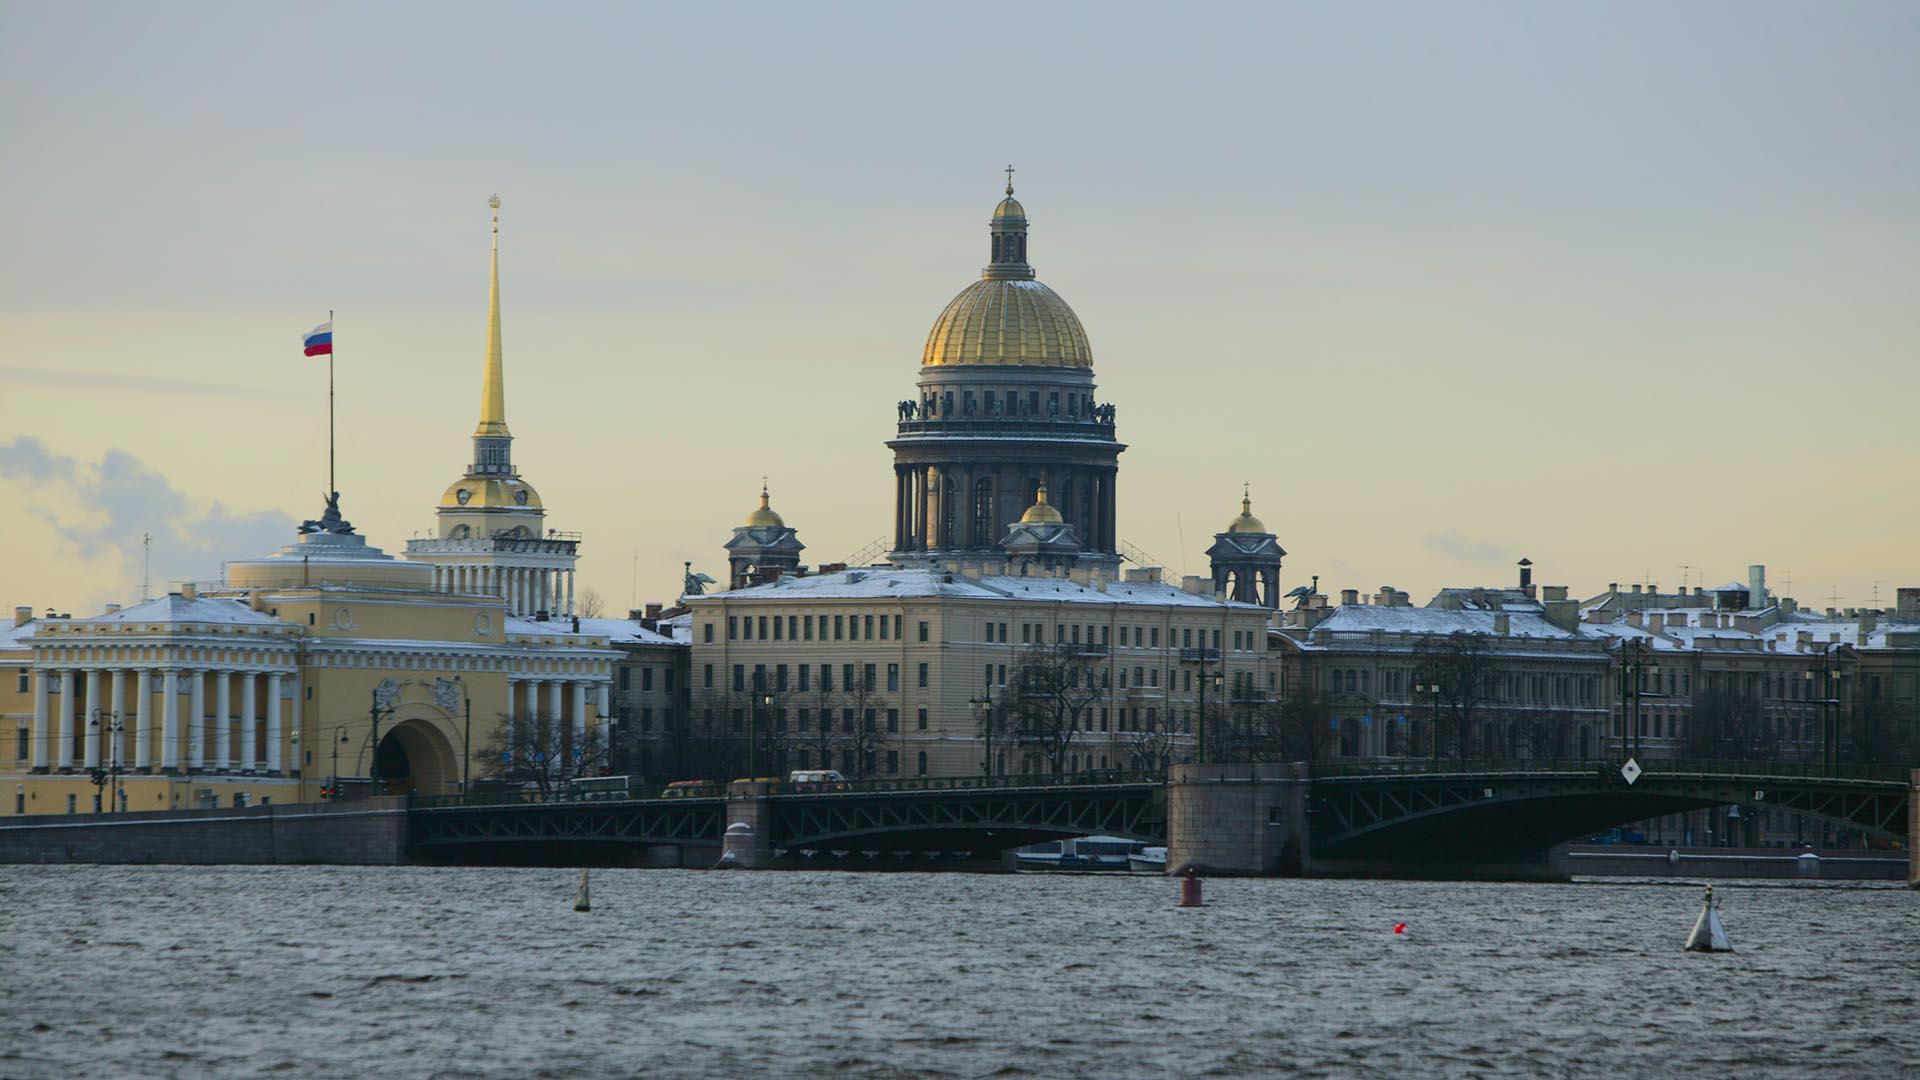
[
  {"x": 1008, "y": 321},
  {"x": 1246, "y": 522},
  {"x": 1041, "y": 511},
  {"x": 1009, "y": 208},
  {"x": 764, "y": 517},
  {"x": 490, "y": 493}
]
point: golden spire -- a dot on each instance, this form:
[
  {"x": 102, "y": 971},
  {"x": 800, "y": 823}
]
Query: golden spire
[
  {"x": 1040, "y": 511},
  {"x": 1246, "y": 498},
  {"x": 493, "y": 393},
  {"x": 765, "y": 516}
]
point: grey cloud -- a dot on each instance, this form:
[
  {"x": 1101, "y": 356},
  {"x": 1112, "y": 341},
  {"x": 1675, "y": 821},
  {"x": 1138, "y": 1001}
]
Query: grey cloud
[
  {"x": 1456, "y": 545},
  {"x": 105, "y": 507}
]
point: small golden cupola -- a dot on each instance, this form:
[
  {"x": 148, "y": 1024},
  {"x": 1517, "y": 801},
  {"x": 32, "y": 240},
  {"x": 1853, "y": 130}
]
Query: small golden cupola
[
  {"x": 1041, "y": 512},
  {"x": 1246, "y": 522},
  {"x": 764, "y": 517}
]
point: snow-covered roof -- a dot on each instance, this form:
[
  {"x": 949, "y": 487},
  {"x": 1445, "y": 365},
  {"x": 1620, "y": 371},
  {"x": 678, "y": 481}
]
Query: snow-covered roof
[
  {"x": 616, "y": 631},
  {"x": 879, "y": 583},
  {"x": 1699, "y": 629},
  {"x": 1361, "y": 618},
  {"x": 16, "y": 637},
  {"x": 176, "y": 608}
]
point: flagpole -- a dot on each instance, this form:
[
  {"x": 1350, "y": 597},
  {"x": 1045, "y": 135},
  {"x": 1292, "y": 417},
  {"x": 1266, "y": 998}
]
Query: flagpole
[{"x": 330, "y": 483}]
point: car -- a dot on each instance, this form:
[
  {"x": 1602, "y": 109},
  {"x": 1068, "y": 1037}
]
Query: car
[{"x": 683, "y": 789}]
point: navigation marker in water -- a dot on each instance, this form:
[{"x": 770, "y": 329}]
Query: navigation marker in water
[
  {"x": 580, "y": 900},
  {"x": 1708, "y": 935}
]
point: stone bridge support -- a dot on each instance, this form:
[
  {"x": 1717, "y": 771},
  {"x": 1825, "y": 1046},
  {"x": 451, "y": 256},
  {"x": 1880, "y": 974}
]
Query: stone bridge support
[
  {"x": 1238, "y": 819},
  {"x": 1913, "y": 831},
  {"x": 749, "y": 835}
]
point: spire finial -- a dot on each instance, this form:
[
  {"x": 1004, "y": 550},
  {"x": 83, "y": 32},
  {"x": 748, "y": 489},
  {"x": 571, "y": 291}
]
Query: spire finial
[
  {"x": 1040, "y": 497},
  {"x": 763, "y": 491},
  {"x": 1246, "y": 497},
  {"x": 1009, "y": 180}
]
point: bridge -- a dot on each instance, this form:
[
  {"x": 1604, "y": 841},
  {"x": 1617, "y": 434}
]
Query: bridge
[{"x": 1227, "y": 818}]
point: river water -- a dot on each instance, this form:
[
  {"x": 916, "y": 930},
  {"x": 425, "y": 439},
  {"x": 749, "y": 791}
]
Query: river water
[{"x": 310, "y": 971}]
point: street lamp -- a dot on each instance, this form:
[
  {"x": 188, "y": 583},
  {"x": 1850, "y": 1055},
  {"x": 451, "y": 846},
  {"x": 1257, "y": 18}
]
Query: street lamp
[
  {"x": 108, "y": 779},
  {"x": 1430, "y": 686},
  {"x": 333, "y": 784},
  {"x": 1203, "y": 657},
  {"x": 466, "y": 736},
  {"x": 982, "y": 720},
  {"x": 1829, "y": 708},
  {"x": 1634, "y": 667},
  {"x": 753, "y": 738}
]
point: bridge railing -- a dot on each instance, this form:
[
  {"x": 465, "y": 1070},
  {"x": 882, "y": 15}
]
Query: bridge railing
[
  {"x": 532, "y": 797},
  {"x": 1652, "y": 766}
]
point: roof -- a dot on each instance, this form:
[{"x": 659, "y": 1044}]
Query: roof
[
  {"x": 1684, "y": 629},
  {"x": 177, "y": 608},
  {"x": 917, "y": 583},
  {"x": 1426, "y": 621},
  {"x": 616, "y": 631}
]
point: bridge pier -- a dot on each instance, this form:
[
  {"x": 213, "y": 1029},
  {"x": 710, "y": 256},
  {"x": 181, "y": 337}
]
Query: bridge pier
[
  {"x": 749, "y": 804},
  {"x": 1913, "y": 830},
  {"x": 1238, "y": 819}
]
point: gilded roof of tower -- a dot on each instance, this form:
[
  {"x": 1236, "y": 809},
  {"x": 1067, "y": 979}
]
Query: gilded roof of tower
[
  {"x": 1014, "y": 321},
  {"x": 490, "y": 493}
]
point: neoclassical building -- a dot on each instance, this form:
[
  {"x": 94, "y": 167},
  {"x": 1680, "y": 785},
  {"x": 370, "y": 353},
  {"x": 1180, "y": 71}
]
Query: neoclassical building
[
  {"x": 1006, "y": 404},
  {"x": 491, "y": 535}
]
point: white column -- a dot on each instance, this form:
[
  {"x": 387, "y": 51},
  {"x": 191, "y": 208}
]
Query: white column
[
  {"x": 223, "y": 720},
  {"x": 570, "y": 596},
  {"x": 95, "y": 678},
  {"x": 273, "y": 722},
  {"x": 197, "y": 722},
  {"x": 143, "y": 722},
  {"x": 40, "y": 717},
  {"x": 169, "y": 719},
  {"x": 116, "y": 747},
  {"x": 63, "y": 744},
  {"x": 600, "y": 708},
  {"x": 295, "y": 738},
  {"x": 249, "y": 685},
  {"x": 579, "y": 714}
]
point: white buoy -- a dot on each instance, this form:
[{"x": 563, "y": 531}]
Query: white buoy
[
  {"x": 1708, "y": 935},
  {"x": 580, "y": 900}
]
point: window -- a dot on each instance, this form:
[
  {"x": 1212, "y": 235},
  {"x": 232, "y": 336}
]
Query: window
[
  {"x": 763, "y": 627},
  {"x": 853, "y": 628},
  {"x": 883, "y": 628},
  {"x": 739, "y": 720},
  {"x": 777, "y": 635},
  {"x": 793, "y": 628},
  {"x": 669, "y": 680},
  {"x": 646, "y": 680},
  {"x": 709, "y": 676},
  {"x": 893, "y": 676},
  {"x": 893, "y": 761},
  {"x": 746, "y": 628},
  {"x": 1026, "y": 633},
  {"x": 826, "y": 677},
  {"x": 846, "y": 676},
  {"x": 893, "y": 720},
  {"x": 923, "y": 676},
  {"x": 625, "y": 681},
  {"x": 868, "y": 680},
  {"x": 780, "y": 677},
  {"x": 1153, "y": 637},
  {"x": 733, "y": 627},
  {"x": 800, "y": 720},
  {"x": 20, "y": 741},
  {"x": 921, "y": 720},
  {"x": 1187, "y": 636},
  {"x": 646, "y": 718},
  {"x": 837, "y": 628},
  {"x": 989, "y": 674},
  {"x": 739, "y": 677},
  {"x": 923, "y": 763},
  {"x": 20, "y": 684},
  {"x": 805, "y": 672},
  {"x": 923, "y": 630},
  {"x": 759, "y": 677},
  {"x": 806, "y": 628}
]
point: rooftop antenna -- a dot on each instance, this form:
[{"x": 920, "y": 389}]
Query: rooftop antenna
[
  {"x": 1788, "y": 579},
  {"x": 633, "y": 591},
  {"x": 146, "y": 572},
  {"x": 1686, "y": 571},
  {"x": 1876, "y": 594},
  {"x": 1833, "y": 596}
]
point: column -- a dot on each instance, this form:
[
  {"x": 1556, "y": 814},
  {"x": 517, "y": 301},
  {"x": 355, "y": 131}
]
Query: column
[
  {"x": 554, "y": 703},
  {"x": 273, "y": 722},
  {"x": 143, "y": 719},
  {"x": 63, "y": 731},
  {"x": 116, "y": 745},
  {"x": 569, "y": 592},
  {"x": 600, "y": 700},
  {"x": 197, "y": 722},
  {"x": 249, "y": 684},
  {"x": 579, "y": 714},
  {"x": 94, "y": 734},
  {"x": 40, "y": 717},
  {"x": 223, "y": 720},
  {"x": 543, "y": 592},
  {"x": 524, "y": 578},
  {"x": 294, "y": 738},
  {"x": 169, "y": 719}
]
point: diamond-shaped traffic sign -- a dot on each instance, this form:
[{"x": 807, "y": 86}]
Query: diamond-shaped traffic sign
[{"x": 1631, "y": 771}]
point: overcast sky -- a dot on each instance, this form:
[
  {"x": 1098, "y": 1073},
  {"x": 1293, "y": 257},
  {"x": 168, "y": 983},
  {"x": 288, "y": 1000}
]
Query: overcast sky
[{"x": 1623, "y": 288}]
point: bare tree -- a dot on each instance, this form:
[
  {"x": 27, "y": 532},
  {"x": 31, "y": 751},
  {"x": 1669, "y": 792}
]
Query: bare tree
[
  {"x": 813, "y": 736},
  {"x": 1054, "y": 689},
  {"x": 862, "y": 735},
  {"x": 541, "y": 753},
  {"x": 1730, "y": 726},
  {"x": 589, "y": 604},
  {"x": 1462, "y": 666}
]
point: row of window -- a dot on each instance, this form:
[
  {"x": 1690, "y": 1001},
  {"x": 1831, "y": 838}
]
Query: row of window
[
  {"x": 802, "y": 628},
  {"x": 646, "y": 679},
  {"x": 777, "y": 679}
]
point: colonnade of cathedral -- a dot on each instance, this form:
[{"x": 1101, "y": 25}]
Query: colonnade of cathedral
[
  {"x": 527, "y": 589},
  {"x": 944, "y": 507},
  {"x": 241, "y": 732}
]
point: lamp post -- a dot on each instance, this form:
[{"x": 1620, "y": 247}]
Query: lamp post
[
  {"x": 982, "y": 720},
  {"x": 373, "y": 739},
  {"x": 1430, "y": 686},
  {"x": 107, "y": 781},
  {"x": 1829, "y": 707},
  {"x": 1634, "y": 668},
  {"x": 334, "y": 783},
  {"x": 1203, "y": 657},
  {"x": 466, "y": 736},
  {"x": 763, "y": 700}
]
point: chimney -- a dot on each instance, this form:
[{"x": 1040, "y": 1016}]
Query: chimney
[
  {"x": 1350, "y": 597},
  {"x": 22, "y": 614},
  {"x": 1636, "y": 590},
  {"x": 1868, "y": 620},
  {"x": 653, "y": 611},
  {"x": 1656, "y": 622},
  {"x": 189, "y": 591},
  {"x": 1633, "y": 619},
  {"x": 1502, "y": 623},
  {"x": 1802, "y": 640},
  {"x": 1613, "y": 588},
  {"x": 1526, "y": 576},
  {"x": 1756, "y": 586},
  {"x": 113, "y": 609}
]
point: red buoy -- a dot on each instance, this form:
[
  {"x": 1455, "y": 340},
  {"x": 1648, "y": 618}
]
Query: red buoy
[
  {"x": 1399, "y": 928},
  {"x": 1190, "y": 889}
]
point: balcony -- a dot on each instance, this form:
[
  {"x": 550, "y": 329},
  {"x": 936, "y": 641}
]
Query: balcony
[{"x": 977, "y": 426}]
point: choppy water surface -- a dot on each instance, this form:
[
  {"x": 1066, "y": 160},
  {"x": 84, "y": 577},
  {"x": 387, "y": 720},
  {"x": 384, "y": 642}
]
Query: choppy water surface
[{"x": 189, "y": 972}]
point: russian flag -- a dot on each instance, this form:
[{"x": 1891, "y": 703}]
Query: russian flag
[{"x": 319, "y": 340}]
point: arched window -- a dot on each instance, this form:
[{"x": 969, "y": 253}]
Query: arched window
[{"x": 985, "y": 529}]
